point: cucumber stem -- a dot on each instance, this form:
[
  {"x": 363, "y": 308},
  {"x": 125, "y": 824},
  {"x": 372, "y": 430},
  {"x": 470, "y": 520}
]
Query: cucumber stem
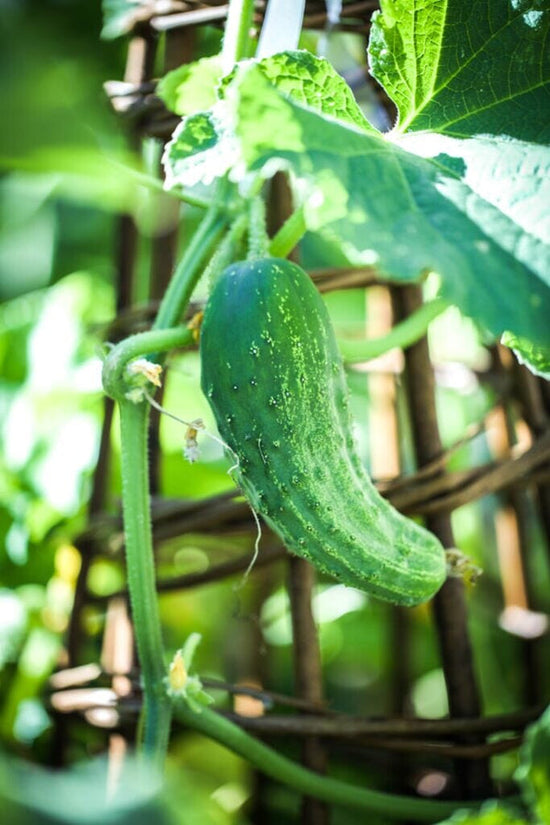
[
  {"x": 290, "y": 233},
  {"x": 258, "y": 241},
  {"x": 184, "y": 279},
  {"x": 407, "y": 332},
  {"x": 227, "y": 251},
  {"x": 154, "y": 728},
  {"x": 307, "y": 782},
  {"x": 140, "y": 564}
]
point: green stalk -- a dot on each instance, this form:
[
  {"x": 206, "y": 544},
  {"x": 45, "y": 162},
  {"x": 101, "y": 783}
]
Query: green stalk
[
  {"x": 258, "y": 241},
  {"x": 236, "y": 41},
  {"x": 403, "y": 335},
  {"x": 156, "y": 716},
  {"x": 184, "y": 279},
  {"x": 157, "y": 708},
  {"x": 290, "y": 233},
  {"x": 307, "y": 782},
  {"x": 228, "y": 250},
  {"x": 141, "y": 578}
]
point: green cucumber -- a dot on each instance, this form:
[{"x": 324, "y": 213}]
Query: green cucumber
[{"x": 273, "y": 375}]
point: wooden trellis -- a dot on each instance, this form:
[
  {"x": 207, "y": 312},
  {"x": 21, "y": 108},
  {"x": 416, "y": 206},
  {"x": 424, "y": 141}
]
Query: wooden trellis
[{"x": 521, "y": 468}]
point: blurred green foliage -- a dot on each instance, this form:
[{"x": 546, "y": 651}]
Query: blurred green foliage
[{"x": 55, "y": 117}]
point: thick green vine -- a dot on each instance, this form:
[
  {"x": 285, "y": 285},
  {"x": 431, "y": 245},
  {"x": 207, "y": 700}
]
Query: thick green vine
[
  {"x": 125, "y": 385},
  {"x": 141, "y": 578},
  {"x": 178, "y": 294},
  {"x": 307, "y": 782}
]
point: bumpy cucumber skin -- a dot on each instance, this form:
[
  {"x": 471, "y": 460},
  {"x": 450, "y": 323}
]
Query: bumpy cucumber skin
[{"x": 273, "y": 376}]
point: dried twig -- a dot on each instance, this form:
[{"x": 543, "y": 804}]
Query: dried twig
[
  {"x": 449, "y": 603},
  {"x": 336, "y": 729}
]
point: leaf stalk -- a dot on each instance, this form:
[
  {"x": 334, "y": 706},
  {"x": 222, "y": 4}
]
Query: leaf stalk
[{"x": 404, "y": 334}]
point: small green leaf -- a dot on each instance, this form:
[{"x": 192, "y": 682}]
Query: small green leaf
[
  {"x": 202, "y": 149},
  {"x": 481, "y": 67},
  {"x": 308, "y": 80},
  {"x": 537, "y": 359},
  {"x": 534, "y": 771},
  {"x": 196, "y": 696},
  {"x": 192, "y": 87},
  {"x": 492, "y": 813}
]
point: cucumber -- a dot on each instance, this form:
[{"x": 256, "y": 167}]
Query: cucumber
[{"x": 273, "y": 375}]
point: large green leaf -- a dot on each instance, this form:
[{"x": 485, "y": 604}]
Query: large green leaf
[
  {"x": 77, "y": 796},
  {"x": 407, "y": 214},
  {"x": 511, "y": 174},
  {"x": 474, "y": 211},
  {"x": 481, "y": 67}
]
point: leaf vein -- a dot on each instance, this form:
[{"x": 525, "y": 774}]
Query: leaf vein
[{"x": 447, "y": 80}]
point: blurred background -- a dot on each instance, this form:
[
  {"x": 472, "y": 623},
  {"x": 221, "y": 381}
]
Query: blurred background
[{"x": 64, "y": 198}]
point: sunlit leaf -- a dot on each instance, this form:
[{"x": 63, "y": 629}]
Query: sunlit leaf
[
  {"x": 474, "y": 211},
  {"x": 492, "y": 813},
  {"x": 202, "y": 149},
  {"x": 309, "y": 80},
  {"x": 536, "y": 358},
  {"x": 191, "y": 87},
  {"x": 481, "y": 67},
  {"x": 407, "y": 214}
]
